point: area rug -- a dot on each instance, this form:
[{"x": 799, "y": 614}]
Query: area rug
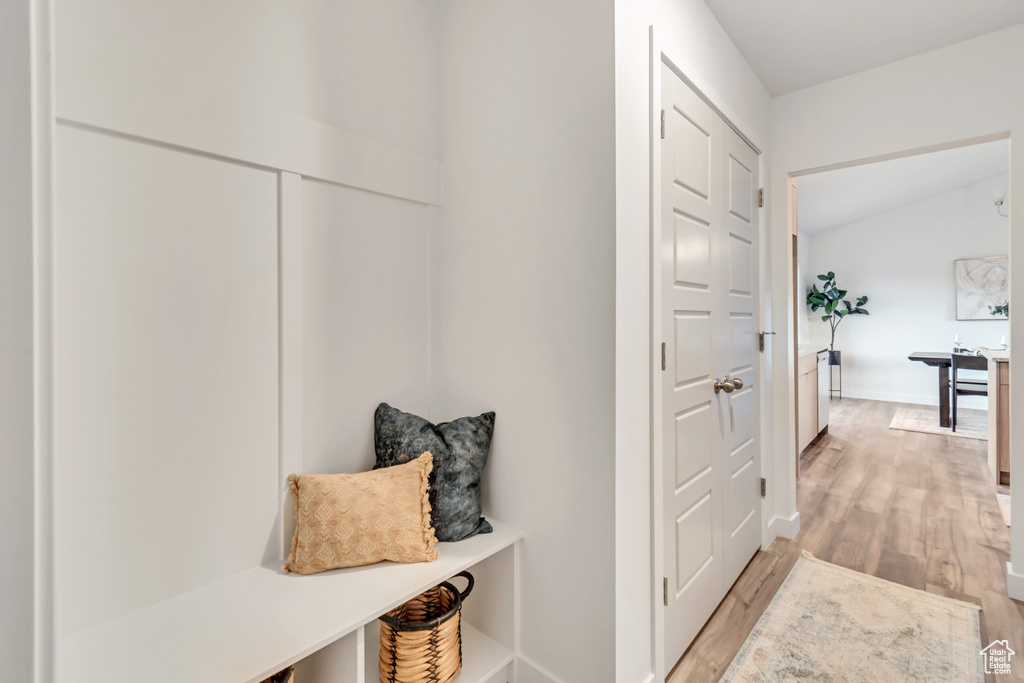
[
  {"x": 1004, "y": 506},
  {"x": 970, "y": 424},
  {"x": 828, "y": 623}
]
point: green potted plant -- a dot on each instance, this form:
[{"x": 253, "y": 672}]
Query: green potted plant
[{"x": 833, "y": 301}]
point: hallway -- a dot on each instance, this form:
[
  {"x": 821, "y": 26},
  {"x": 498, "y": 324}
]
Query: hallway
[{"x": 912, "y": 508}]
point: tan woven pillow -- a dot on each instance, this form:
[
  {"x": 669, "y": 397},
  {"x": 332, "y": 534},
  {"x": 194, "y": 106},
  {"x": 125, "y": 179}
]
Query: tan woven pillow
[{"x": 348, "y": 520}]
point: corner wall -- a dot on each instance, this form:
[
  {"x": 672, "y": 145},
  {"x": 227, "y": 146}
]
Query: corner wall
[
  {"x": 688, "y": 33},
  {"x": 903, "y": 260},
  {"x": 526, "y": 318},
  {"x": 968, "y": 91},
  {"x": 17, "y": 391}
]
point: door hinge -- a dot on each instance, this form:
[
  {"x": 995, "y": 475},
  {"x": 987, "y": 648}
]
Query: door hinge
[
  {"x": 662, "y": 124},
  {"x": 764, "y": 487},
  {"x": 760, "y": 340},
  {"x": 663, "y": 356},
  {"x": 760, "y": 196},
  {"x": 664, "y": 590}
]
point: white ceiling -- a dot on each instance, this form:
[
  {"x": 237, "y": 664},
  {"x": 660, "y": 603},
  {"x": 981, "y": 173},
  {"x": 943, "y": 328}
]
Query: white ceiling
[
  {"x": 833, "y": 198},
  {"x": 793, "y": 44}
]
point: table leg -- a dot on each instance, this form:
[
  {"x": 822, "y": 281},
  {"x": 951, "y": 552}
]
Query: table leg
[{"x": 944, "y": 396}]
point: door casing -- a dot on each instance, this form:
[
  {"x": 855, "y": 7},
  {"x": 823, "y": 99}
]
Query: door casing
[{"x": 659, "y": 56}]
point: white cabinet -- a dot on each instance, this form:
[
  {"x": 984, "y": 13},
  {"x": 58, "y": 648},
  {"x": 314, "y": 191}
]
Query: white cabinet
[
  {"x": 807, "y": 414},
  {"x": 823, "y": 396},
  {"x": 812, "y": 396}
]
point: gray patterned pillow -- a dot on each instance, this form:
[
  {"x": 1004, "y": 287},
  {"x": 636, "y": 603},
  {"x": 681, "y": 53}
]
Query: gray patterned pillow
[{"x": 460, "y": 451}]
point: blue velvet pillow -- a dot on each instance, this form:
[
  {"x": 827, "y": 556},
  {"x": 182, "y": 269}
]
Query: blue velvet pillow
[{"x": 460, "y": 451}]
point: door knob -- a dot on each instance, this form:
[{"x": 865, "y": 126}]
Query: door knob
[
  {"x": 727, "y": 386},
  {"x": 738, "y": 383}
]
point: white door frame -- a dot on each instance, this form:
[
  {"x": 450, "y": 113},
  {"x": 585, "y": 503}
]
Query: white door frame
[{"x": 660, "y": 55}]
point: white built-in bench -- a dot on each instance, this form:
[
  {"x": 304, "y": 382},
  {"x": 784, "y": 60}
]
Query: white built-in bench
[{"x": 249, "y": 626}]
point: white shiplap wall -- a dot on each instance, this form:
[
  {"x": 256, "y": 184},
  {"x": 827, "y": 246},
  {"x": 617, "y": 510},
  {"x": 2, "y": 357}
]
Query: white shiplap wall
[{"x": 242, "y": 250}]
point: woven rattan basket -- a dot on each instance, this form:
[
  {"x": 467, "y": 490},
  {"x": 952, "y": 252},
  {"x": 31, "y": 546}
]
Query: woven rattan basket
[
  {"x": 286, "y": 676},
  {"x": 421, "y": 641}
]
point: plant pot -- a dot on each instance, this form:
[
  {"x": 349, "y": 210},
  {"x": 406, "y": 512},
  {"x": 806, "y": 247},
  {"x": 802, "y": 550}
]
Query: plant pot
[{"x": 835, "y": 358}]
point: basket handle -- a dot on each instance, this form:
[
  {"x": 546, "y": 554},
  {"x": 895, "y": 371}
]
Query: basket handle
[
  {"x": 396, "y": 623},
  {"x": 469, "y": 587}
]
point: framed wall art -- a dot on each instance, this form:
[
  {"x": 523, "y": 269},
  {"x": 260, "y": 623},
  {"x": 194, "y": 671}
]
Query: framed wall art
[{"x": 983, "y": 288}]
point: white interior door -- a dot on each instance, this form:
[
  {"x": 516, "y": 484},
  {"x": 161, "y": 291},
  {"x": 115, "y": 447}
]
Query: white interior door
[
  {"x": 742, "y": 492},
  {"x": 710, "y": 452}
]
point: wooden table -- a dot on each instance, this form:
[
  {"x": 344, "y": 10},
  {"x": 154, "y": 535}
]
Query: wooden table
[{"x": 942, "y": 361}]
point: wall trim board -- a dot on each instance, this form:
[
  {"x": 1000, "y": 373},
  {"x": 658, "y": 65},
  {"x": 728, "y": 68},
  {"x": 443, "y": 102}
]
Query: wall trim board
[
  {"x": 655, "y": 399},
  {"x": 915, "y": 399},
  {"x": 690, "y": 76},
  {"x": 42, "y": 83},
  {"x": 1014, "y": 583},
  {"x": 290, "y": 340},
  {"x": 787, "y": 527},
  {"x": 771, "y": 533},
  {"x": 528, "y": 671},
  {"x": 109, "y": 95},
  {"x": 902, "y": 154}
]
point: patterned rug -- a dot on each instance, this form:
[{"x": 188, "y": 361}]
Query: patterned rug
[
  {"x": 828, "y": 623},
  {"x": 1004, "y": 506},
  {"x": 970, "y": 424}
]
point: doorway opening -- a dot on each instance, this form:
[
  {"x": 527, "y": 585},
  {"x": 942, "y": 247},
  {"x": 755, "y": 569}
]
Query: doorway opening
[{"x": 910, "y": 254}]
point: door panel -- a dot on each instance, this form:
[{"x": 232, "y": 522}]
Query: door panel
[
  {"x": 741, "y": 259},
  {"x": 742, "y": 497},
  {"x": 742, "y": 342},
  {"x": 693, "y": 149},
  {"x": 711, "y": 456},
  {"x": 741, "y": 189},
  {"x": 694, "y": 530},
  {"x": 692, "y": 341},
  {"x": 692, "y": 249},
  {"x": 692, "y": 425},
  {"x": 694, "y": 444}
]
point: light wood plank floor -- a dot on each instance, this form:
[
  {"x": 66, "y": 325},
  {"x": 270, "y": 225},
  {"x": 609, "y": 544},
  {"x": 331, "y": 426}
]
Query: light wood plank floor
[{"x": 917, "y": 509}]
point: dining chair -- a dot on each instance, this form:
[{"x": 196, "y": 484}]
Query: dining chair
[{"x": 968, "y": 386}]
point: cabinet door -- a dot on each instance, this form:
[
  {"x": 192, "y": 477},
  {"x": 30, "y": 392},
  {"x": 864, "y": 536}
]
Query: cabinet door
[
  {"x": 822, "y": 391},
  {"x": 808, "y": 397}
]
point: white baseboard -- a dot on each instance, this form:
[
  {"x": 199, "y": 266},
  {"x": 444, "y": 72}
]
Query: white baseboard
[
  {"x": 1014, "y": 583},
  {"x": 531, "y": 672},
  {"x": 969, "y": 402},
  {"x": 528, "y": 671},
  {"x": 786, "y": 527},
  {"x": 889, "y": 397}
]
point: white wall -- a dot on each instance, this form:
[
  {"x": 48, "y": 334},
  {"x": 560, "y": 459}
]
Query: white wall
[
  {"x": 966, "y": 91},
  {"x": 16, "y": 355},
  {"x": 366, "y": 306},
  {"x": 903, "y": 260},
  {"x": 526, "y": 321},
  {"x": 689, "y": 35},
  {"x": 366, "y": 67},
  {"x": 166, "y": 354},
  {"x": 177, "y": 122}
]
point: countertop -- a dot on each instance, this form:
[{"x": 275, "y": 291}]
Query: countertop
[
  {"x": 809, "y": 349},
  {"x": 998, "y": 355}
]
